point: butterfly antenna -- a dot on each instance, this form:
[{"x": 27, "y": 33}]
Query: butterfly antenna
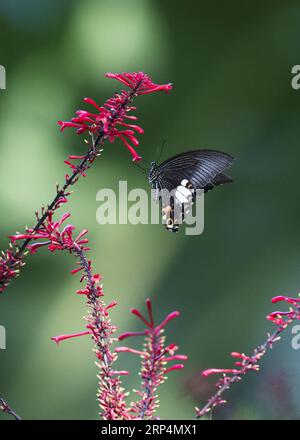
[
  {"x": 161, "y": 150},
  {"x": 146, "y": 161},
  {"x": 141, "y": 169}
]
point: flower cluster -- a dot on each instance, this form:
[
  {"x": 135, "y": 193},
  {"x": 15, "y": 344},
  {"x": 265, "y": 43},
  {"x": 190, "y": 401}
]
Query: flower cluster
[
  {"x": 110, "y": 121},
  {"x": 9, "y": 267},
  {"x": 155, "y": 358},
  {"x": 244, "y": 363},
  {"x": 104, "y": 120},
  {"x": 52, "y": 236},
  {"x": 283, "y": 319},
  {"x": 55, "y": 236}
]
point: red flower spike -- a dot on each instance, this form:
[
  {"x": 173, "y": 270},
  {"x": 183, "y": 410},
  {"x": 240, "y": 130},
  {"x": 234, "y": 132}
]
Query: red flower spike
[
  {"x": 55, "y": 239},
  {"x": 58, "y": 237},
  {"x": 111, "y": 396},
  {"x": 107, "y": 118},
  {"x": 9, "y": 268},
  {"x": 109, "y": 121},
  {"x": 140, "y": 82},
  {"x": 251, "y": 363},
  {"x": 155, "y": 358}
]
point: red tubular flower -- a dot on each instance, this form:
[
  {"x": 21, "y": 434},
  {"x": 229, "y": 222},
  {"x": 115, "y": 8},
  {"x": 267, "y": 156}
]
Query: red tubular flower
[
  {"x": 155, "y": 358},
  {"x": 174, "y": 367},
  {"x": 211, "y": 371},
  {"x": 105, "y": 120},
  {"x": 60, "y": 338},
  {"x": 287, "y": 299},
  {"x": 278, "y": 318},
  {"x": 129, "y": 334},
  {"x": 235, "y": 354}
]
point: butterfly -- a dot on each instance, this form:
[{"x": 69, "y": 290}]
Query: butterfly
[{"x": 183, "y": 175}]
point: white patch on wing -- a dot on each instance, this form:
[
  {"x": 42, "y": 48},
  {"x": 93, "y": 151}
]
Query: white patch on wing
[
  {"x": 184, "y": 182},
  {"x": 183, "y": 193},
  {"x": 180, "y": 197}
]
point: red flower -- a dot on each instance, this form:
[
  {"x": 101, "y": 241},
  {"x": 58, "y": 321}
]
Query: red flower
[
  {"x": 210, "y": 371},
  {"x": 60, "y": 338},
  {"x": 287, "y": 299},
  {"x": 106, "y": 120}
]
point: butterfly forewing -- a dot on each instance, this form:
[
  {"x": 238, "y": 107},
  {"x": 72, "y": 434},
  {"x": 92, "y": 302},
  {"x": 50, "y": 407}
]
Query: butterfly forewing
[{"x": 199, "y": 166}]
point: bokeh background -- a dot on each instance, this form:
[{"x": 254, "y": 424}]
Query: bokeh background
[{"x": 230, "y": 63}]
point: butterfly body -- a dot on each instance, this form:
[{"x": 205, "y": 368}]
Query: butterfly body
[
  {"x": 153, "y": 174},
  {"x": 185, "y": 173}
]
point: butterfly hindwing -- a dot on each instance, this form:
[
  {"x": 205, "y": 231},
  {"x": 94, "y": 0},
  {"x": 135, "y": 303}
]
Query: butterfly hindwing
[{"x": 175, "y": 207}]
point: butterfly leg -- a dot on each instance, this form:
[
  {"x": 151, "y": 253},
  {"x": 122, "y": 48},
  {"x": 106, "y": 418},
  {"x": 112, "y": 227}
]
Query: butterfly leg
[{"x": 169, "y": 216}]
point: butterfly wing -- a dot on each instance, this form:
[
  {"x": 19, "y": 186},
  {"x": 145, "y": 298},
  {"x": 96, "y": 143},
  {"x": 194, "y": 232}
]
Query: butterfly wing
[{"x": 203, "y": 168}]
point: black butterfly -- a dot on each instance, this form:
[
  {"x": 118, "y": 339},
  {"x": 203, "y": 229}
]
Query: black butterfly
[{"x": 187, "y": 172}]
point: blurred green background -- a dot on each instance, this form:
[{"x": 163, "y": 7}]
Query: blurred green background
[{"x": 230, "y": 63}]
